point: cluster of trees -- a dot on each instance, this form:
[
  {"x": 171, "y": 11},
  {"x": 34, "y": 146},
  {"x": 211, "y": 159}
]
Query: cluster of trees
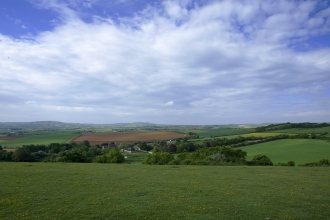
[
  {"x": 208, "y": 156},
  {"x": 4, "y": 155},
  {"x": 56, "y": 152},
  {"x": 274, "y": 127},
  {"x": 183, "y": 145},
  {"x": 111, "y": 155},
  {"x": 19, "y": 155}
]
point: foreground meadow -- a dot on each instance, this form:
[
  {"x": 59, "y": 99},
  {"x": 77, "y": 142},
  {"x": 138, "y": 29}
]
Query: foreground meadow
[{"x": 136, "y": 191}]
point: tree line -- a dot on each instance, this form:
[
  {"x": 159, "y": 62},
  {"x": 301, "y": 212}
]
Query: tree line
[{"x": 274, "y": 127}]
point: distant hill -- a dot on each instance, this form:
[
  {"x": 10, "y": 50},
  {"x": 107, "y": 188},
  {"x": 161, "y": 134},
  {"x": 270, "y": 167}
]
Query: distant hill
[
  {"x": 51, "y": 125},
  {"x": 54, "y": 125},
  {"x": 44, "y": 125}
]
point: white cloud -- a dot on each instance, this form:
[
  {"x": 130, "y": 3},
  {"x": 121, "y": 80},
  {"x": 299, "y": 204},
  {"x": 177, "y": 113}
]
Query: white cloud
[
  {"x": 228, "y": 55},
  {"x": 170, "y": 103},
  {"x": 30, "y": 102}
]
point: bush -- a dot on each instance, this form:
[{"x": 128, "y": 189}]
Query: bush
[
  {"x": 323, "y": 162},
  {"x": 112, "y": 156},
  {"x": 75, "y": 156},
  {"x": 5, "y": 156},
  {"x": 260, "y": 160},
  {"x": 289, "y": 163},
  {"x": 158, "y": 158},
  {"x": 21, "y": 155}
]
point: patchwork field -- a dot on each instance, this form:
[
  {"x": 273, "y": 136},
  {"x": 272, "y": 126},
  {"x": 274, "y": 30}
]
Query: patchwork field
[
  {"x": 110, "y": 191},
  {"x": 299, "y": 150},
  {"x": 127, "y": 137}
]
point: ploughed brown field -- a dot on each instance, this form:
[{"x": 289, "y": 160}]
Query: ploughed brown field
[
  {"x": 127, "y": 137},
  {"x": 10, "y": 138}
]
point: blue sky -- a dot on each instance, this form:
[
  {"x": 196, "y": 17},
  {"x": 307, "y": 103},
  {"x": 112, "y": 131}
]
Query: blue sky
[{"x": 169, "y": 62}]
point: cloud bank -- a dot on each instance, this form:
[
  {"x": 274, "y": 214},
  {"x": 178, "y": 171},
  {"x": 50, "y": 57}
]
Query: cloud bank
[{"x": 219, "y": 62}]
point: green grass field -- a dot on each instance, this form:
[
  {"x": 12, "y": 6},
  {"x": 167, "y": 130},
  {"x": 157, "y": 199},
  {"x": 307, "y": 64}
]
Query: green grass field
[
  {"x": 135, "y": 191},
  {"x": 299, "y": 150},
  {"x": 256, "y": 134},
  {"x": 306, "y": 130},
  {"x": 54, "y": 137}
]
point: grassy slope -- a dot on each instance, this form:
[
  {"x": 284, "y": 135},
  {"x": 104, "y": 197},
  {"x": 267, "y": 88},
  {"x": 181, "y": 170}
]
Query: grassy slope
[
  {"x": 106, "y": 191},
  {"x": 298, "y": 150}
]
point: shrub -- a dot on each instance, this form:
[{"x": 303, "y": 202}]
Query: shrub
[
  {"x": 21, "y": 155},
  {"x": 158, "y": 158},
  {"x": 261, "y": 160},
  {"x": 112, "y": 156},
  {"x": 5, "y": 156},
  {"x": 212, "y": 156},
  {"x": 76, "y": 156},
  {"x": 289, "y": 163},
  {"x": 323, "y": 162}
]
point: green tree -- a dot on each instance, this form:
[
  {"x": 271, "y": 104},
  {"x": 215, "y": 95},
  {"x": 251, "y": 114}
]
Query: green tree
[
  {"x": 5, "y": 156},
  {"x": 86, "y": 143},
  {"x": 172, "y": 148},
  {"x": 76, "y": 156},
  {"x": 155, "y": 149},
  {"x": 158, "y": 158},
  {"x": 112, "y": 156},
  {"x": 145, "y": 146},
  {"x": 261, "y": 160},
  {"x": 313, "y": 135},
  {"x": 21, "y": 155}
]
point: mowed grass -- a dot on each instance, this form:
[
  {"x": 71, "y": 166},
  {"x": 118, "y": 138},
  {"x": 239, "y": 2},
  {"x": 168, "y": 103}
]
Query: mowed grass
[
  {"x": 40, "y": 139},
  {"x": 299, "y": 150},
  {"x": 127, "y": 191}
]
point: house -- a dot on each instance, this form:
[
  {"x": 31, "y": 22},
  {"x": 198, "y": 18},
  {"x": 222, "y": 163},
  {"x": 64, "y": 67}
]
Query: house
[
  {"x": 128, "y": 150},
  {"x": 104, "y": 145},
  {"x": 136, "y": 148}
]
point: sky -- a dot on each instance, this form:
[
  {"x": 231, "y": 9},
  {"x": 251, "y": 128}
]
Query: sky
[{"x": 165, "y": 62}]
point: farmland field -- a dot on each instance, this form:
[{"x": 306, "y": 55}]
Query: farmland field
[
  {"x": 299, "y": 150},
  {"x": 127, "y": 137},
  {"x": 256, "y": 134},
  {"x": 221, "y": 132},
  {"x": 111, "y": 191},
  {"x": 54, "y": 137}
]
